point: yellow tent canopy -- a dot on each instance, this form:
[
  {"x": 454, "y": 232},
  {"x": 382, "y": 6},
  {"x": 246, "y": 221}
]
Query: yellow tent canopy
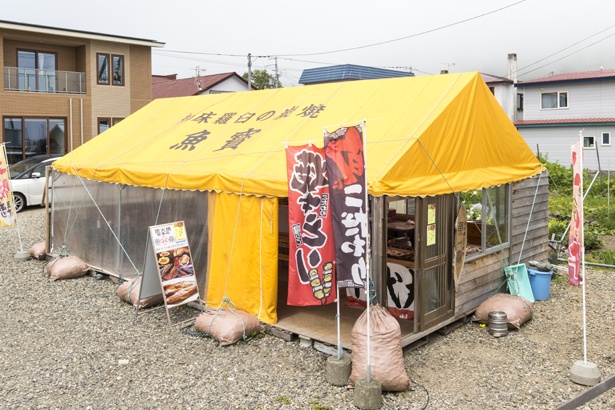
[{"x": 425, "y": 136}]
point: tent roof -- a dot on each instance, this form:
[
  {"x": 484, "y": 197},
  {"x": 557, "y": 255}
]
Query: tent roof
[{"x": 427, "y": 135}]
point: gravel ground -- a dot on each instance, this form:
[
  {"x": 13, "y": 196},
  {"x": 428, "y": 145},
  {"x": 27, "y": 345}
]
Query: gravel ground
[{"x": 61, "y": 345}]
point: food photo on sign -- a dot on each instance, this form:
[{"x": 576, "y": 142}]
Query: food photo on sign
[{"x": 177, "y": 276}]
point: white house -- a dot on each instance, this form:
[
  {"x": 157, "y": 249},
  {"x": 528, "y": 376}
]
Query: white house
[
  {"x": 504, "y": 91},
  {"x": 557, "y": 108}
]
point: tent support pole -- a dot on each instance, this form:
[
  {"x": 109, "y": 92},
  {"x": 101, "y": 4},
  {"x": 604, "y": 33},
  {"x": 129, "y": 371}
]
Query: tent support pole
[{"x": 378, "y": 249}]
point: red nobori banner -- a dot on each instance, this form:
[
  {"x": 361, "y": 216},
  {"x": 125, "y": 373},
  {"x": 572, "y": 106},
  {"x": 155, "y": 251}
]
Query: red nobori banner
[
  {"x": 311, "y": 256},
  {"x": 575, "y": 238},
  {"x": 7, "y": 210},
  {"x": 346, "y": 171}
]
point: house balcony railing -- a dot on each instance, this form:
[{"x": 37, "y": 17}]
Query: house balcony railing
[{"x": 31, "y": 80}]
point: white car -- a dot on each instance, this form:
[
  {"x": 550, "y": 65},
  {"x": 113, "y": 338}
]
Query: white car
[{"x": 28, "y": 180}]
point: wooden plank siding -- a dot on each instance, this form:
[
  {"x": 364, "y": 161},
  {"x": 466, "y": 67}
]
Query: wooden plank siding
[
  {"x": 484, "y": 277},
  {"x": 537, "y": 238}
]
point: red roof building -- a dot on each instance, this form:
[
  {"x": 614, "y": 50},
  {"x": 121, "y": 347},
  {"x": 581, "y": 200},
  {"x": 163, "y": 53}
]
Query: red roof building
[{"x": 167, "y": 86}]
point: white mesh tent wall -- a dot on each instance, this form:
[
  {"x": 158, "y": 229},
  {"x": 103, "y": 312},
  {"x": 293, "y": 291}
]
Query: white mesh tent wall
[{"x": 107, "y": 224}]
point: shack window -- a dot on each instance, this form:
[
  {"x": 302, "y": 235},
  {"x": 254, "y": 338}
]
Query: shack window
[{"x": 488, "y": 219}]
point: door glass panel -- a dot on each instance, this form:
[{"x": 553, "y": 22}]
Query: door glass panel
[
  {"x": 431, "y": 248},
  {"x": 36, "y": 136},
  {"x": 432, "y": 294},
  {"x": 26, "y": 62},
  {"x": 56, "y": 137},
  {"x": 13, "y": 137},
  {"x": 46, "y": 72}
]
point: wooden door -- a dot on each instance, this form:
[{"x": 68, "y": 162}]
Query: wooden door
[{"x": 435, "y": 234}]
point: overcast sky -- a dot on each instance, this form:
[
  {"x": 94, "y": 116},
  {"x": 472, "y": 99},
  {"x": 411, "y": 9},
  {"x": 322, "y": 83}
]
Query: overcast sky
[{"x": 548, "y": 36}]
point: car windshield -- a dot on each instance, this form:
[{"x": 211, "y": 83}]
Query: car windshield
[{"x": 24, "y": 165}]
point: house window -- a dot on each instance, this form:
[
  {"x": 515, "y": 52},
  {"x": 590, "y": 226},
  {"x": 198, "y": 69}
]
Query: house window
[
  {"x": 103, "y": 68},
  {"x": 118, "y": 70},
  {"x": 488, "y": 213},
  {"x": 110, "y": 64},
  {"x": 606, "y": 138},
  {"x": 105, "y": 123},
  {"x": 589, "y": 142},
  {"x": 26, "y": 137},
  {"x": 492, "y": 89},
  {"x": 519, "y": 102},
  {"x": 554, "y": 100}
]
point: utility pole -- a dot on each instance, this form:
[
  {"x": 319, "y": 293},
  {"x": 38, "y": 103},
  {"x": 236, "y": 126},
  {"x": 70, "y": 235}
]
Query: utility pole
[
  {"x": 197, "y": 76},
  {"x": 249, "y": 71},
  {"x": 277, "y": 75}
]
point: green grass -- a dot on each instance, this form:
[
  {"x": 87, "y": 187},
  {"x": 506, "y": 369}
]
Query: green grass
[
  {"x": 599, "y": 211},
  {"x": 283, "y": 400}
]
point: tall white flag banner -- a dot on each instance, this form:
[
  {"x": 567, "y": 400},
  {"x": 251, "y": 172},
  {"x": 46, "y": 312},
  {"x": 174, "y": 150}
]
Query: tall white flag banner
[
  {"x": 575, "y": 239},
  {"x": 7, "y": 207}
]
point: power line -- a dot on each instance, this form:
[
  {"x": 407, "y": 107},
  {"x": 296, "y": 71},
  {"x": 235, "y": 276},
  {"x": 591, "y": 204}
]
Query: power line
[
  {"x": 350, "y": 48},
  {"x": 568, "y": 55},
  {"x": 405, "y": 37},
  {"x": 564, "y": 49}
]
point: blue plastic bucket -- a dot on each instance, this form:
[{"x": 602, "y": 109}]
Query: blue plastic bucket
[{"x": 540, "y": 283}]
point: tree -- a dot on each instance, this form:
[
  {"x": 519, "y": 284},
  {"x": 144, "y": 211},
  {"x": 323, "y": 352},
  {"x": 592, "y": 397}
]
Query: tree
[{"x": 261, "y": 79}]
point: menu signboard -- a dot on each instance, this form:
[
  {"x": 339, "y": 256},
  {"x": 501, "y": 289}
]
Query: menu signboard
[{"x": 174, "y": 263}]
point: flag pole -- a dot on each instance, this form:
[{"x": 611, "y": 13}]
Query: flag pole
[
  {"x": 340, "y": 348},
  {"x": 582, "y": 215},
  {"x": 367, "y": 252}
]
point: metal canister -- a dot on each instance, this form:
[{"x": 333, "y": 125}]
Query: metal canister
[{"x": 498, "y": 324}]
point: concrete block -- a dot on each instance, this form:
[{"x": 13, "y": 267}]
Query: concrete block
[
  {"x": 585, "y": 373},
  {"x": 367, "y": 395},
  {"x": 22, "y": 256},
  {"x": 338, "y": 371},
  {"x": 305, "y": 341}
]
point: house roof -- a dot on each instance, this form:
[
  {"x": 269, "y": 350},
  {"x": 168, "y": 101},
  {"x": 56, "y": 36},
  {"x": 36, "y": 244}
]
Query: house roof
[
  {"x": 345, "y": 72},
  {"x": 165, "y": 86},
  {"x": 426, "y": 135},
  {"x": 34, "y": 28},
  {"x": 564, "y": 122},
  {"x": 490, "y": 79},
  {"x": 583, "y": 76}
]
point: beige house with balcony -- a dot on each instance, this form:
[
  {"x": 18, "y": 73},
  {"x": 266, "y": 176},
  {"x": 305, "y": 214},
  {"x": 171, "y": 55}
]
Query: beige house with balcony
[{"x": 60, "y": 88}]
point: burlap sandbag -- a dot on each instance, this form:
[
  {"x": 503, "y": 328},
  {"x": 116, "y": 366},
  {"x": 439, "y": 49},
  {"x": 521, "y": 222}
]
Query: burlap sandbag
[
  {"x": 37, "y": 250},
  {"x": 517, "y": 308},
  {"x": 387, "y": 356},
  {"x": 66, "y": 268},
  {"x": 129, "y": 292},
  {"x": 227, "y": 326}
]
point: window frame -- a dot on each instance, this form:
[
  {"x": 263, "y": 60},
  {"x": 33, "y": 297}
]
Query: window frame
[
  {"x": 110, "y": 69},
  {"x": 558, "y": 95},
  {"x": 122, "y": 81},
  {"x": 507, "y": 219},
  {"x": 24, "y": 137},
  {"x": 111, "y": 121},
  {"x": 603, "y": 134},
  {"x": 587, "y": 145},
  {"x": 98, "y": 69}
]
